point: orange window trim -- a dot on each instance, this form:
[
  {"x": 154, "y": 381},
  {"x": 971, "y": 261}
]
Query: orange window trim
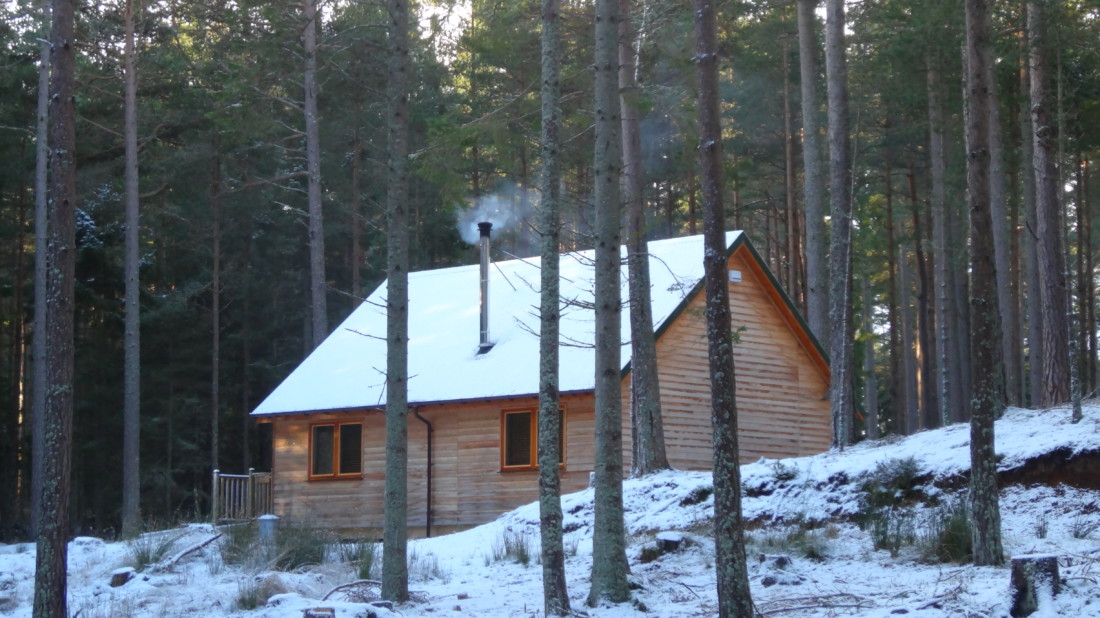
[
  {"x": 534, "y": 412},
  {"x": 335, "y": 452}
]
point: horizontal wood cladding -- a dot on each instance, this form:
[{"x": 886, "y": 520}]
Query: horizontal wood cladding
[
  {"x": 782, "y": 386},
  {"x": 782, "y": 401},
  {"x": 468, "y": 486}
]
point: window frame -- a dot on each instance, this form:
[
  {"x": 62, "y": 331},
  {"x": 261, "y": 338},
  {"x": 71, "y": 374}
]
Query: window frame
[
  {"x": 534, "y": 455},
  {"x": 338, "y": 427}
]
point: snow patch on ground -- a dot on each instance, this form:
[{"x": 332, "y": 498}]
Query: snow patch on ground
[{"x": 806, "y": 557}]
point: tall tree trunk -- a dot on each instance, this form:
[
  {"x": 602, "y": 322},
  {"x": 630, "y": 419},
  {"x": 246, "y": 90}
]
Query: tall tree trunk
[
  {"x": 985, "y": 320},
  {"x": 131, "y": 424},
  {"x": 609, "y": 565},
  {"x": 1078, "y": 341},
  {"x": 555, "y": 595},
  {"x": 317, "y": 285},
  {"x": 900, "y": 279},
  {"x": 1006, "y": 293},
  {"x": 357, "y": 216},
  {"x": 51, "y": 560},
  {"x": 946, "y": 320},
  {"x": 215, "y": 310},
  {"x": 1031, "y": 224},
  {"x": 1054, "y": 381},
  {"x": 896, "y": 419},
  {"x": 929, "y": 400},
  {"x": 794, "y": 235},
  {"x": 691, "y": 203},
  {"x": 840, "y": 245},
  {"x": 870, "y": 381},
  {"x": 1090, "y": 299},
  {"x": 41, "y": 208},
  {"x": 645, "y": 394},
  {"x": 731, "y": 571},
  {"x": 395, "y": 568},
  {"x": 817, "y": 292}
]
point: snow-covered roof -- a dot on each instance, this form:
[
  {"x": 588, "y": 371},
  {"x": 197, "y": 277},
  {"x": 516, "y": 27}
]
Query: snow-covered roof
[{"x": 348, "y": 369}]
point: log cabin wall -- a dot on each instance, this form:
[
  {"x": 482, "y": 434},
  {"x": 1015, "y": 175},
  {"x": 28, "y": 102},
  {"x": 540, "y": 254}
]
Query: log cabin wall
[
  {"x": 782, "y": 401},
  {"x": 782, "y": 393},
  {"x": 468, "y": 485}
]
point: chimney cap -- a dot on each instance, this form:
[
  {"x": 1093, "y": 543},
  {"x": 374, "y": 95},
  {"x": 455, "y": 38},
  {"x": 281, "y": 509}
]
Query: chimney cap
[{"x": 484, "y": 227}]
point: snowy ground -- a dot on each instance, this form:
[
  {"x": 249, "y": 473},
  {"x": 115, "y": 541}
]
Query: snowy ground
[{"x": 799, "y": 508}]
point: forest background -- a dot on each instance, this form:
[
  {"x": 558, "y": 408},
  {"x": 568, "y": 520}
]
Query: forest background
[{"x": 226, "y": 306}]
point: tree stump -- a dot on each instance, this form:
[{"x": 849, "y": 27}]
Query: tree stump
[{"x": 1034, "y": 578}]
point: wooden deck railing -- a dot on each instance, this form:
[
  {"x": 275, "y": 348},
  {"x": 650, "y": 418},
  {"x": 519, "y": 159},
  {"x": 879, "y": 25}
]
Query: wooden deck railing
[{"x": 238, "y": 497}]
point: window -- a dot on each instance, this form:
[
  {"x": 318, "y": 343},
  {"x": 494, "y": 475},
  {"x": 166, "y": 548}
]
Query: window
[
  {"x": 519, "y": 438},
  {"x": 336, "y": 450}
]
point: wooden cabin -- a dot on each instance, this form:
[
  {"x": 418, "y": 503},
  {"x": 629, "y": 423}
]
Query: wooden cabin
[{"x": 473, "y": 390}]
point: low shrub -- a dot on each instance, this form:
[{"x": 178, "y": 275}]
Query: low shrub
[
  {"x": 948, "y": 533},
  {"x": 513, "y": 546},
  {"x": 148, "y": 549}
]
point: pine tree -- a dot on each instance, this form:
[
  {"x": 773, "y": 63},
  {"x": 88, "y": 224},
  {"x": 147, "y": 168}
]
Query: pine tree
[
  {"x": 645, "y": 400},
  {"x": 131, "y": 426},
  {"x": 51, "y": 561},
  {"x": 840, "y": 243},
  {"x": 985, "y": 318},
  {"x": 554, "y": 592},
  {"x": 609, "y": 565},
  {"x": 731, "y": 570},
  {"x": 395, "y": 570}
]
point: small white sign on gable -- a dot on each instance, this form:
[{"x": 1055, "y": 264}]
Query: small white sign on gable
[{"x": 735, "y": 276}]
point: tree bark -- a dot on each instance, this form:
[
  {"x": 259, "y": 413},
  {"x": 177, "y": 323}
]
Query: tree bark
[
  {"x": 817, "y": 294},
  {"x": 794, "y": 235},
  {"x": 51, "y": 560},
  {"x": 317, "y": 283},
  {"x": 731, "y": 572},
  {"x": 131, "y": 424},
  {"x": 215, "y": 309},
  {"x": 1054, "y": 379},
  {"x": 929, "y": 400},
  {"x": 555, "y": 595},
  {"x": 645, "y": 392},
  {"x": 395, "y": 571},
  {"x": 609, "y": 565},
  {"x": 985, "y": 337},
  {"x": 1007, "y": 295},
  {"x": 870, "y": 382},
  {"x": 840, "y": 245},
  {"x": 1033, "y": 309},
  {"x": 41, "y": 238}
]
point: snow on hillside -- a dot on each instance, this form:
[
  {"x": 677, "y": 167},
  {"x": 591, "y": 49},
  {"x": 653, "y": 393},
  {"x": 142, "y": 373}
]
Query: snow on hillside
[{"x": 807, "y": 557}]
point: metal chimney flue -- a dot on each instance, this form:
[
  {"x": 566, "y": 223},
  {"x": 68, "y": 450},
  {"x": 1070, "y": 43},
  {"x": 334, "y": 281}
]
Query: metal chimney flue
[{"x": 485, "y": 227}]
